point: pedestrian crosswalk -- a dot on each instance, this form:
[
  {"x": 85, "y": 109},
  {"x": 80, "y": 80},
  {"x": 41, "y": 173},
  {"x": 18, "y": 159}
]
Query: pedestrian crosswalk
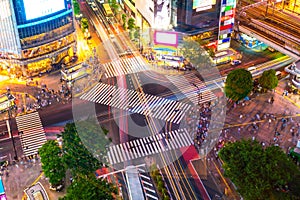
[
  {"x": 192, "y": 88},
  {"x": 32, "y": 133},
  {"x": 146, "y": 146},
  {"x": 137, "y": 102},
  {"x": 125, "y": 66},
  {"x": 147, "y": 184}
]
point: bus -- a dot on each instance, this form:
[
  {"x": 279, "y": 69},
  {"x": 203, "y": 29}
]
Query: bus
[
  {"x": 107, "y": 10},
  {"x": 76, "y": 72},
  {"x": 6, "y": 102}
]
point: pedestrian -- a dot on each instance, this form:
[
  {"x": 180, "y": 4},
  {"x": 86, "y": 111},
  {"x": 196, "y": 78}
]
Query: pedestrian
[
  {"x": 270, "y": 121},
  {"x": 272, "y": 100},
  {"x": 269, "y": 100}
]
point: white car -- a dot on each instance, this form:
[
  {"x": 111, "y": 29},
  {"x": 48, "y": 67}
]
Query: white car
[{"x": 235, "y": 62}]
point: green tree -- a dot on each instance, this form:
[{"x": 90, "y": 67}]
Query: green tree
[
  {"x": 131, "y": 24},
  {"x": 268, "y": 80},
  {"x": 114, "y": 6},
  {"x": 238, "y": 84},
  {"x": 124, "y": 18},
  {"x": 52, "y": 163},
  {"x": 194, "y": 53},
  {"x": 94, "y": 138},
  {"x": 89, "y": 188},
  {"x": 76, "y": 156},
  {"x": 84, "y": 24},
  {"x": 257, "y": 173},
  {"x": 137, "y": 33}
]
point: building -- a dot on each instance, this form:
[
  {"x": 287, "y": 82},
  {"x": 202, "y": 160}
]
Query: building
[
  {"x": 210, "y": 20},
  {"x": 35, "y": 34},
  {"x": 294, "y": 71}
]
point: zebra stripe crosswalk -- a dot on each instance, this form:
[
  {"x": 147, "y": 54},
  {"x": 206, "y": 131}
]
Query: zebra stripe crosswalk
[
  {"x": 125, "y": 66},
  {"x": 192, "y": 88},
  {"x": 137, "y": 102},
  {"x": 146, "y": 146},
  {"x": 147, "y": 184},
  {"x": 33, "y": 134}
]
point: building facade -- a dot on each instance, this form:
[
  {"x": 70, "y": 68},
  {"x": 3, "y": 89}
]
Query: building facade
[
  {"x": 35, "y": 34},
  {"x": 210, "y": 20}
]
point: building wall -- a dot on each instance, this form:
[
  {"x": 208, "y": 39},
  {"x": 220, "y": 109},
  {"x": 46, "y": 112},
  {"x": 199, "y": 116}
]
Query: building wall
[
  {"x": 199, "y": 14},
  {"x": 39, "y": 31},
  {"x": 9, "y": 43}
]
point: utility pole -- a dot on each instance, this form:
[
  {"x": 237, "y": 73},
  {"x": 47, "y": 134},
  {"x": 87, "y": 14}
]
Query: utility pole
[{"x": 8, "y": 124}]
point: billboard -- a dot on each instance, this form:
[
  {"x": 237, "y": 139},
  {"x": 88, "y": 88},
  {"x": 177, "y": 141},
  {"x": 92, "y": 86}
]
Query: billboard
[
  {"x": 39, "y": 8},
  {"x": 203, "y": 4},
  {"x": 166, "y": 38},
  {"x": 162, "y": 13}
]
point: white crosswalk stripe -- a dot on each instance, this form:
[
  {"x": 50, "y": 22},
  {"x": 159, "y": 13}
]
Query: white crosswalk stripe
[
  {"x": 192, "y": 88},
  {"x": 125, "y": 66},
  {"x": 154, "y": 144},
  {"x": 147, "y": 184},
  {"x": 33, "y": 134},
  {"x": 136, "y": 102}
]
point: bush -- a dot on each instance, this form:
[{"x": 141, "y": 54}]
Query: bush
[
  {"x": 159, "y": 178},
  {"x": 160, "y": 184}
]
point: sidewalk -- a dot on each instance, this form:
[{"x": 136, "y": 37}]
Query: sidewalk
[
  {"x": 260, "y": 119},
  {"x": 22, "y": 175}
]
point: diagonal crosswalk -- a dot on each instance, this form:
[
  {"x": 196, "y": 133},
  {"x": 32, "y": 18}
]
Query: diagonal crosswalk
[
  {"x": 124, "y": 66},
  {"x": 192, "y": 88},
  {"x": 148, "y": 146},
  {"x": 137, "y": 102},
  {"x": 33, "y": 135}
]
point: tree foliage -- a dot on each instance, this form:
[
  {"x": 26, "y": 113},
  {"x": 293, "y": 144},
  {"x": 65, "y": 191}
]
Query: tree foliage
[
  {"x": 84, "y": 24},
  {"x": 131, "y": 23},
  {"x": 258, "y": 173},
  {"x": 94, "y": 138},
  {"x": 268, "y": 80},
  {"x": 76, "y": 156},
  {"x": 52, "y": 163},
  {"x": 238, "y": 84},
  {"x": 137, "y": 32},
  {"x": 114, "y": 6},
  {"x": 193, "y": 52},
  {"x": 90, "y": 188}
]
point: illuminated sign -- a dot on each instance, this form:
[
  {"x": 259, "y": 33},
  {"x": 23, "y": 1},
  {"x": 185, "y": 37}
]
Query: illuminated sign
[
  {"x": 3, "y": 197},
  {"x": 39, "y": 8},
  {"x": 166, "y": 38},
  {"x": 203, "y": 4},
  {"x": 226, "y": 23}
]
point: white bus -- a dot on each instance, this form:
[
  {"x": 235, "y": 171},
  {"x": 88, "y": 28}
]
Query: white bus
[{"x": 76, "y": 72}]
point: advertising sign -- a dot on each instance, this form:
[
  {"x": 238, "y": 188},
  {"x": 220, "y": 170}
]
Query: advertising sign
[
  {"x": 39, "y": 8},
  {"x": 203, "y": 4},
  {"x": 166, "y": 38},
  {"x": 226, "y": 23}
]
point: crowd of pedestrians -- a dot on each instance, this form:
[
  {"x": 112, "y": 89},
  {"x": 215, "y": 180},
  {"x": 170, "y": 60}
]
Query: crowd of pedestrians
[{"x": 203, "y": 124}]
